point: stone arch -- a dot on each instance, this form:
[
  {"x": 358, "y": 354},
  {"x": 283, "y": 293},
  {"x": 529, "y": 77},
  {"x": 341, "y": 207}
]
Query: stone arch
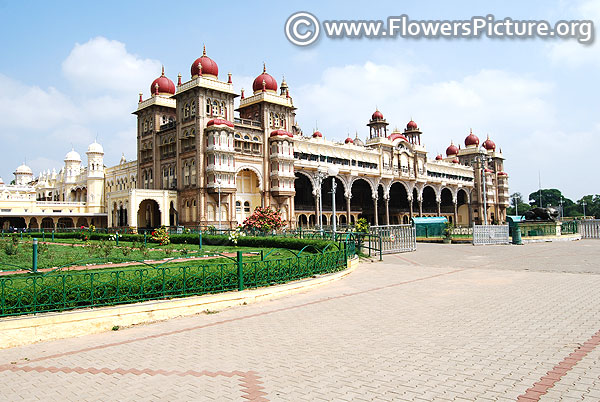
[
  {"x": 429, "y": 199},
  {"x": 310, "y": 178},
  {"x": 149, "y": 213},
  {"x": 369, "y": 181},
  {"x": 255, "y": 170}
]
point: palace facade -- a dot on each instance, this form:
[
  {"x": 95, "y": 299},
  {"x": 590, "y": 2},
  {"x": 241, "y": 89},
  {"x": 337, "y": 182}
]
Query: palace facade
[{"x": 201, "y": 161}]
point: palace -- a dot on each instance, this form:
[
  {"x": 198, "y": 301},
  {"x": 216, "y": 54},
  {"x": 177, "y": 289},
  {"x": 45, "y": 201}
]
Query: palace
[{"x": 201, "y": 161}]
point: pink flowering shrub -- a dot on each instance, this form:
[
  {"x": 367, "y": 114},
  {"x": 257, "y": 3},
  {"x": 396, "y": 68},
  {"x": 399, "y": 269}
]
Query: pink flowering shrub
[{"x": 264, "y": 219}]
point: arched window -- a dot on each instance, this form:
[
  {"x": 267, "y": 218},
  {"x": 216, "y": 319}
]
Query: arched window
[
  {"x": 222, "y": 109},
  {"x": 215, "y": 108},
  {"x": 193, "y": 108},
  {"x": 246, "y": 206},
  {"x": 186, "y": 112},
  {"x": 238, "y": 206},
  {"x": 208, "y": 108}
]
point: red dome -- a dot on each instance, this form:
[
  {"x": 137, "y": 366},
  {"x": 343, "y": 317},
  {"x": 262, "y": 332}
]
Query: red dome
[
  {"x": 455, "y": 160},
  {"x": 439, "y": 158},
  {"x": 502, "y": 174},
  {"x": 411, "y": 125},
  {"x": 165, "y": 85},
  {"x": 281, "y": 132},
  {"x": 471, "y": 139},
  {"x": 219, "y": 122},
  {"x": 377, "y": 115},
  {"x": 209, "y": 67},
  {"x": 489, "y": 144},
  {"x": 451, "y": 150},
  {"x": 317, "y": 134},
  {"x": 349, "y": 141},
  {"x": 488, "y": 170},
  {"x": 270, "y": 83},
  {"x": 395, "y": 136}
]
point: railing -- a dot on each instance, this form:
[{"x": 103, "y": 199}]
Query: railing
[
  {"x": 490, "y": 234},
  {"x": 569, "y": 227},
  {"x": 532, "y": 229},
  {"x": 395, "y": 238},
  {"x": 66, "y": 290},
  {"x": 590, "y": 228}
]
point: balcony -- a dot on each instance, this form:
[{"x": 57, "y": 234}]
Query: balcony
[{"x": 247, "y": 122}]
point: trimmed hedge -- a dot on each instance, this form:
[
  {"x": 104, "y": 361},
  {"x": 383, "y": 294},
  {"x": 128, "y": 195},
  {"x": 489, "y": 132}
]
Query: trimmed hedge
[{"x": 290, "y": 243}]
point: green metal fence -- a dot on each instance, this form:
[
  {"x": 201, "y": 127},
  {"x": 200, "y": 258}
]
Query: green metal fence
[
  {"x": 66, "y": 290},
  {"x": 532, "y": 229},
  {"x": 569, "y": 227}
]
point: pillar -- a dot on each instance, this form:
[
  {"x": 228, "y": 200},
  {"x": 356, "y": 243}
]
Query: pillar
[
  {"x": 410, "y": 211},
  {"x": 439, "y": 206},
  {"x": 348, "y": 210},
  {"x": 420, "y": 208},
  {"x": 455, "y": 214},
  {"x": 317, "y": 212},
  {"x": 376, "y": 213},
  {"x": 470, "y": 214},
  {"x": 387, "y": 211}
]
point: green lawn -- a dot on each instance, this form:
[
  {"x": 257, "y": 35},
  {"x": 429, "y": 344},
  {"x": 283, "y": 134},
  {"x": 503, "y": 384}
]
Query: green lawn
[{"x": 99, "y": 252}]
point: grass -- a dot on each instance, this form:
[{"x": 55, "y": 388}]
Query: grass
[{"x": 101, "y": 252}]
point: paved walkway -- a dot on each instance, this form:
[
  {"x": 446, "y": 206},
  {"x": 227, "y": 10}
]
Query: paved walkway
[{"x": 448, "y": 322}]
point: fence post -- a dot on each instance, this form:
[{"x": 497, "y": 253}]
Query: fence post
[
  {"x": 200, "y": 240},
  {"x": 262, "y": 255},
  {"x": 117, "y": 239},
  {"x": 52, "y": 234},
  {"x": 145, "y": 240},
  {"x": 44, "y": 235},
  {"x": 380, "y": 249},
  {"x": 240, "y": 269},
  {"x": 34, "y": 257}
]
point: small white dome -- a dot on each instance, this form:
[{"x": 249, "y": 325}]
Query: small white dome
[
  {"x": 1, "y": 181},
  {"x": 24, "y": 169},
  {"x": 95, "y": 148},
  {"x": 73, "y": 156}
]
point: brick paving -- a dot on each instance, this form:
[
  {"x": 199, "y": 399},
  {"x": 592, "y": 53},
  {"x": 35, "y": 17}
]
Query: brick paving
[{"x": 448, "y": 322}]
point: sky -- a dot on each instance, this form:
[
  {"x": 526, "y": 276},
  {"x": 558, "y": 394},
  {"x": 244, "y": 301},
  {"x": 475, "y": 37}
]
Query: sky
[{"x": 71, "y": 72}]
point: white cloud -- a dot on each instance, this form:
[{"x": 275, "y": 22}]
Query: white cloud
[
  {"x": 570, "y": 52},
  {"x": 42, "y": 124},
  {"x": 517, "y": 111},
  {"x": 102, "y": 65},
  {"x": 33, "y": 108}
]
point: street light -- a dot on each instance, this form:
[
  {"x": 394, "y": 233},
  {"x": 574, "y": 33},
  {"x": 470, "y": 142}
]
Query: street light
[
  {"x": 561, "y": 208},
  {"x": 516, "y": 199},
  {"x": 320, "y": 176},
  {"x": 219, "y": 202},
  {"x": 481, "y": 158},
  {"x": 333, "y": 171},
  {"x": 584, "y": 204}
]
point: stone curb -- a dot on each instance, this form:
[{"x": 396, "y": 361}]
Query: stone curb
[{"x": 24, "y": 330}]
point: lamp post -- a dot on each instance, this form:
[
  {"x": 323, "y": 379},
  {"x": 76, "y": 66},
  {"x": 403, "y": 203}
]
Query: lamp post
[
  {"x": 482, "y": 158},
  {"x": 516, "y": 199},
  {"x": 333, "y": 171},
  {"x": 320, "y": 176},
  {"x": 561, "y": 208},
  {"x": 219, "y": 202},
  {"x": 583, "y": 204}
]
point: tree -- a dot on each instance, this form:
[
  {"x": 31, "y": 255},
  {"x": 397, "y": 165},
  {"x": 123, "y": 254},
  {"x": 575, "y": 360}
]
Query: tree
[
  {"x": 549, "y": 196},
  {"x": 592, "y": 205},
  {"x": 516, "y": 199}
]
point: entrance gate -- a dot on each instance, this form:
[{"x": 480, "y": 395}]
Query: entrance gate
[
  {"x": 490, "y": 234},
  {"x": 394, "y": 238}
]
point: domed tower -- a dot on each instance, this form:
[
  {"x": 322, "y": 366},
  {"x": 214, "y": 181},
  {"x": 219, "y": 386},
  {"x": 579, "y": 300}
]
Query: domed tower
[
  {"x": 412, "y": 132},
  {"x": 95, "y": 175},
  {"x": 377, "y": 125},
  {"x": 273, "y": 111},
  {"x": 23, "y": 175},
  {"x": 72, "y": 166}
]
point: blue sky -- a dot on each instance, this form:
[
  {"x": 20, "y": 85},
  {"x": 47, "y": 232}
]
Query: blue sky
[{"x": 71, "y": 71}]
